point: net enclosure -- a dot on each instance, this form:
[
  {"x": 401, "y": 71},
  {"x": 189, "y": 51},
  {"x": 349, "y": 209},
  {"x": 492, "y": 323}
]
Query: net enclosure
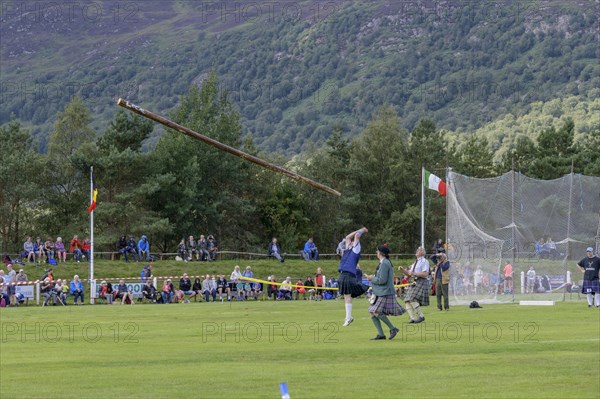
[{"x": 529, "y": 224}]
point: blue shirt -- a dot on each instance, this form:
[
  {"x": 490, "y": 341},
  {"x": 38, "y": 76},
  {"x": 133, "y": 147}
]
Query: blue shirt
[
  {"x": 74, "y": 286},
  {"x": 309, "y": 246},
  {"x": 350, "y": 260}
]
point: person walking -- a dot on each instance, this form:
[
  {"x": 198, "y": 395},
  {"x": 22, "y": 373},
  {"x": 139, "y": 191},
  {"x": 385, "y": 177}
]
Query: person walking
[{"x": 384, "y": 303}]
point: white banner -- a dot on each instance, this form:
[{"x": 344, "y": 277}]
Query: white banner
[
  {"x": 26, "y": 290},
  {"x": 134, "y": 288}
]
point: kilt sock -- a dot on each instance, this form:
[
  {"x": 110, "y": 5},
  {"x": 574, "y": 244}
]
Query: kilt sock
[
  {"x": 387, "y": 321},
  {"x": 377, "y": 323},
  {"x": 590, "y": 298},
  {"x": 410, "y": 310},
  {"x": 417, "y": 308}
]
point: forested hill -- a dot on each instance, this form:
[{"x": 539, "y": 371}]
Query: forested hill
[{"x": 294, "y": 70}]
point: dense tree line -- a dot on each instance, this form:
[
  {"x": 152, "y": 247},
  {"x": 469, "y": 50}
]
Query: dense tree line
[{"x": 183, "y": 187}]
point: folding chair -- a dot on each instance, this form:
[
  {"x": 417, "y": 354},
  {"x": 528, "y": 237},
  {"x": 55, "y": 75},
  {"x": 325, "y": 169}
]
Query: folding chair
[{"x": 54, "y": 297}]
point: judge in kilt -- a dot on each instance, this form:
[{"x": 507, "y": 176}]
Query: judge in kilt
[
  {"x": 590, "y": 266},
  {"x": 417, "y": 295},
  {"x": 384, "y": 293},
  {"x": 347, "y": 284}
]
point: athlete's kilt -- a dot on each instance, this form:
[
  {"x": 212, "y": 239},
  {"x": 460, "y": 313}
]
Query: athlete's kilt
[
  {"x": 347, "y": 285},
  {"x": 388, "y": 305},
  {"x": 418, "y": 292},
  {"x": 590, "y": 286}
]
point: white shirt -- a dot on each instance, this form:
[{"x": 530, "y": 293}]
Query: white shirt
[{"x": 421, "y": 265}]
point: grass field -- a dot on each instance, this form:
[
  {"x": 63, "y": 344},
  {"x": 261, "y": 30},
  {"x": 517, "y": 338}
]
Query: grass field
[{"x": 245, "y": 349}]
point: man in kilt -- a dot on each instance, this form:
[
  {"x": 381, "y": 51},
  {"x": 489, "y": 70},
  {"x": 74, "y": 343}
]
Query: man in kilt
[
  {"x": 417, "y": 295},
  {"x": 385, "y": 302},
  {"x": 347, "y": 284},
  {"x": 590, "y": 267}
]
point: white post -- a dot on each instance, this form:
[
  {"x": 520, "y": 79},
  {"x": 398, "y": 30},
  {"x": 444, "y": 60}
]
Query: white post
[
  {"x": 92, "y": 286},
  {"x": 423, "y": 206},
  {"x": 522, "y": 282},
  {"x": 37, "y": 293}
]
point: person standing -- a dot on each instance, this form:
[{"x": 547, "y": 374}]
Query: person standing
[
  {"x": 478, "y": 280},
  {"x": 347, "y": 284},
  {"x": 441, "y": 278},
  {"x": 508, "y": 278},
  {"x": 385, "y": 303},
  {"x": 590, "y": 267},
  {"x": 530, "y": 280},
  {"x": 417, "y": 295}
]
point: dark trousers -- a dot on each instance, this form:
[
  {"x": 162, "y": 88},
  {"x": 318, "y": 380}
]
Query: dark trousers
[
  {"x": 208, "y": 293},
  {"x": 441, "y": 289}
]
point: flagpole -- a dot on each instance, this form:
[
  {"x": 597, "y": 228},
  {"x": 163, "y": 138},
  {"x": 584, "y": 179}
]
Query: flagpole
[
  {"x": 92, "y": 283},
  {"x": 423, "y": 206}
]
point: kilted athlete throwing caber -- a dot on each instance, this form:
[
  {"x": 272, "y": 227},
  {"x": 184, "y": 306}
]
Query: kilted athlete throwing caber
[{"x": 347, "y": 284}]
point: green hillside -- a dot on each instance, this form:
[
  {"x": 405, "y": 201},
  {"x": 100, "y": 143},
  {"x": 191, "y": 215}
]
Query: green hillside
[{"x": 296, "y": 70}]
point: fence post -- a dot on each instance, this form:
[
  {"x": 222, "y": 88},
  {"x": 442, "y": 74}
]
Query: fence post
[{"x": 37, "y": 293}]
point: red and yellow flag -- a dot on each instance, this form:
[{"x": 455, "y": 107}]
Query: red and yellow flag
[{"x": 94, "y": 195}]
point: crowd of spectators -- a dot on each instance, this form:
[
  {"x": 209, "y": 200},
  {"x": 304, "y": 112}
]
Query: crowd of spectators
[
  {"x": 54, "y": 252},
  {"x": 204, "y": 249}
]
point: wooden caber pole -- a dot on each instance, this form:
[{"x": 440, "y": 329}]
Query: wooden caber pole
[{"x": 223, "y": 147}]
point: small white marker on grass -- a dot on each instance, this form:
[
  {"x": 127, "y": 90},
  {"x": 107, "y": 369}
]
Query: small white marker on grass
[{"x": 536, "y": 303}]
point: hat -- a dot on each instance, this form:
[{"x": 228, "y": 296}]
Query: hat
[
  {"x": 384, "y": 249},
  {"x": 589, "y": 249}
]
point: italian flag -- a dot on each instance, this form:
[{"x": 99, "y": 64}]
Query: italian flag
[{"x": 435, "y": 183}]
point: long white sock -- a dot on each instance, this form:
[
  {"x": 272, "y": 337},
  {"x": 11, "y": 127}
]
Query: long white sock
[
  {"x": 590, "y": 299},
  {"x": 348, "y": 311},
  {"x": 597, "y": 299},
  {"x": 418, "y": 310},
  {"x": 411, "y": 311}
]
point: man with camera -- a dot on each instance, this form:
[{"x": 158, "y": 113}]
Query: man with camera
[{"x": 441, "y": 278}]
